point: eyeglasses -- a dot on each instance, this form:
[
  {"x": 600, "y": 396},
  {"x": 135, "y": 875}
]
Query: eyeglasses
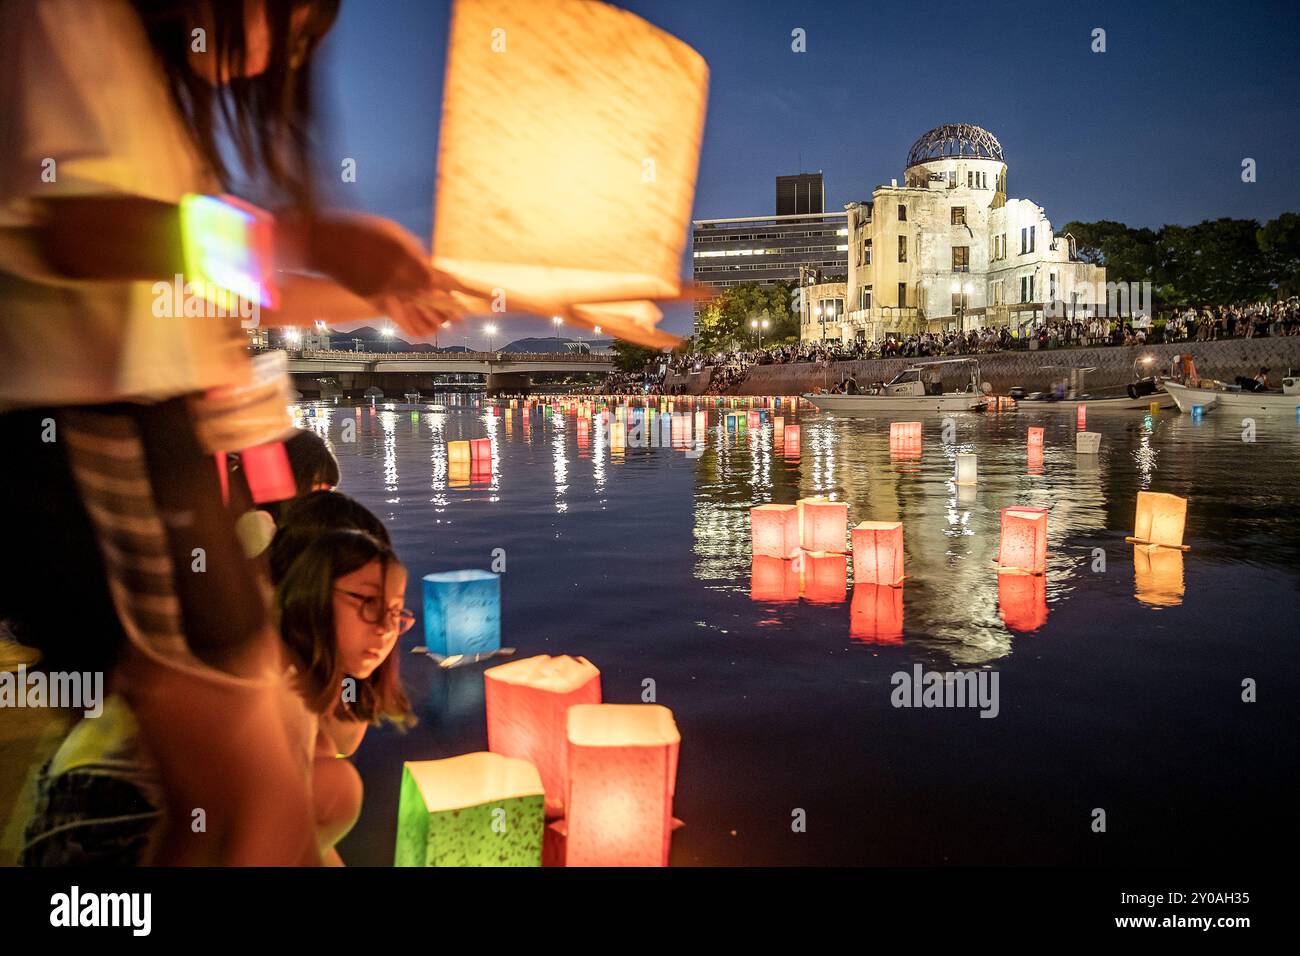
[{"x": 371, "y": 609}]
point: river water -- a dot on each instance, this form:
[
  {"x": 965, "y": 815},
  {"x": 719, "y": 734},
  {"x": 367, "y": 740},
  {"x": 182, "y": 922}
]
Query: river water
[{"x": 1120, "y": 678}]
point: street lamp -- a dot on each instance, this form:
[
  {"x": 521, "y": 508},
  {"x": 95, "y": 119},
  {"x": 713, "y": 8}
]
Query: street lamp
[
  {"x": 556, "y": 320},
  {"x": 491, "y": 331},
  {"x": 387, "y": 333},
  {"x": 759, "y": 326},
  {"x": 821, "y": 315},
  {"x": 962, "y": 291}
]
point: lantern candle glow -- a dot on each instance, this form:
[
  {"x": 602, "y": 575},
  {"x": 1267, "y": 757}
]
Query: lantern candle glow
[
  {"x": 1023, "y": 546},
  {"x": 774, "y": 530},
  {"x": 1160, "y": 520},
  {"x": 823, "y": 524},
  {"x": 878, "y": 552}
]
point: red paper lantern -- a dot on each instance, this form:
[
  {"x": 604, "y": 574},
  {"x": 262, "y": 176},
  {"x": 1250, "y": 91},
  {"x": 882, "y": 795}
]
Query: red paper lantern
[
  {"x": 1023, "y": 545},
  {"x": 904, "y": 431},
  {"x": 792, "y": 448},
  {"x": 527, "y": 710},
  {"x": 878, "y": 552},
  {"x": 1035, "y": 438},
  {"x": 480, "y": 449},
  {"x": 266, "y": 468},
  {"x": 825, "y": 577},
  {"x": 774, "y": 579},
  {"x": 1022, "y": 601},
  {"x": 823, "y": 524},
  {"x": 622, "y": 776},
  {"x": 876, "y": 614},
  {"x": 1081, "y": 416},
  {"x": 774, "y": 530}
]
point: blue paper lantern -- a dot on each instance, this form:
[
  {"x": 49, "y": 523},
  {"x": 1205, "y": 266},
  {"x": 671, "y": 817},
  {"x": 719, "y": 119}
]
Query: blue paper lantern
[{"x": 462, "y": 612}]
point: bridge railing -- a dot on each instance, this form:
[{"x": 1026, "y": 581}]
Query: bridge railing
[{"x": 449, "y": 357}]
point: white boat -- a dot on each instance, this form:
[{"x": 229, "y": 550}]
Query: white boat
[
  {"x": 908, "y": 392},
  {"x": 1232, "y": 399},
  {"x": 1136, "y": 396}
]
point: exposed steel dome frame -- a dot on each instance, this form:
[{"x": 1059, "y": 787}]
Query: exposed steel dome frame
[{"x": 953, "y": 141}]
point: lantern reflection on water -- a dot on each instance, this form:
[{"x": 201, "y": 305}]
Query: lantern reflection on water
[
  {"x": 876, "y": 613},
  {"x": 1023, "y": 545},
  {"x": 527, "y": 707},
  {"x": 622, "y": 776},
  {"x": 478, "y": 809},
  {"x": 774, "y": 530},
  {"x": 1022, "y": 601},
  {"x": 1158, "y": 575},
  {"x": 774, "y": 579},
  {"x": 825, "y": 577},
  {"x": 462, "y": 612},
  {"x": 878, "y": 552},
  {"x": 1160, "y": 520},
  {"x": 823, "y": 524}
]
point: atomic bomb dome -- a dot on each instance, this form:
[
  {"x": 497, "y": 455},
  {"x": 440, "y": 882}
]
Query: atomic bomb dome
[{"x": 954, "y": 141}]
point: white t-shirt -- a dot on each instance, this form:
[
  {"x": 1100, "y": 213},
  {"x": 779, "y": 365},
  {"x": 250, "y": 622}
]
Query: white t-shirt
[{"x": 80, "y": 86}]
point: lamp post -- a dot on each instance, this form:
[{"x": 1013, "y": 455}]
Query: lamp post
[
  {"x": 555, "y": 319},
  {"x": 821, "y": 315},
  {"x": 759, "y": 326},
  {"x": 491, "y": 331},
  {"x": 387, "y": 333},
  {"x": 963, "y": 291}
]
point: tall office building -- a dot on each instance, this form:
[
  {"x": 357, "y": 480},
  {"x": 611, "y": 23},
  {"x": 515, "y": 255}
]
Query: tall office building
[{"x": 803, "y": 193}]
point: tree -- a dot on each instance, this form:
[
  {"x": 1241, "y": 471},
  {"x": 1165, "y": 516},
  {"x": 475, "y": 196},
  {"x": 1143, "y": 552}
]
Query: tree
[
  {"x": 1129, "y": 255},
  {"x": 725, "y": 320},
  {"x": 1216, "y": 262},
  {"x": 629, "y": 357},
  {"x": 1279, "y": 243}
]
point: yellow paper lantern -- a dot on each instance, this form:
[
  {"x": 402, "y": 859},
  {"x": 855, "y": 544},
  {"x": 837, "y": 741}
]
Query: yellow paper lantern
[{"x": 1160, "y": 520}]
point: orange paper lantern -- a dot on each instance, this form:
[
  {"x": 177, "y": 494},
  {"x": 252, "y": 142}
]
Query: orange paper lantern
[
  {"x": 527, "y": 706},
  {"x": 1022, "y": 601},
  {"x": 904, "y": 431},
  {"x": 774, "y": 579},
  {"x": 878, "y": 552},
  {"x": 622, "y": 776},
  {"x": 822, "y": 524},
  {"x": 1160, "y": 520},
  {"x": 1024, "y": 540},
  {"x": 876, "y": 614},
  {"x": 774, "y": 530},
  {"x": 825, "y": 577},
  {"x": 457, "y": 452}
]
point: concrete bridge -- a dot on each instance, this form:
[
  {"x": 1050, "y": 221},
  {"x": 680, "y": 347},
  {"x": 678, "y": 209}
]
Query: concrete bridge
[{"x": 325, "y": 371}]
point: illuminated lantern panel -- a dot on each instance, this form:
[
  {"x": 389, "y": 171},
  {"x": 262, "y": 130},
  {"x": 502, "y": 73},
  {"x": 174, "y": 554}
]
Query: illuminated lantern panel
[
  {"x": 266, "y": 467},
  {"x": 479, "y": 809},
  {"x": 823, "y": 524},
  {"x": 967, "y": 469},
  {"x": 1035, "y": 438},
  {"x": 876, "y": 614},
  {"x": 480, "y": 449},
  {"x": 527, "y": 705},
  {"x": 778, "y": 426},
  {"x": 1024, "y": 540},
  {"x": 1087, "y": 443},
  {"x": 462, "y": 612},
  {"x": 774, "y": 579},
  {"x": 1081, "y": 417},
  {"x": 825, "y": 577},
  {"x": 1022, "y": 601},
  {"x": 792, "y": 448},
  {"x": 904, "y": 431},
  {"x": 622, "y": 776},
  {"x": 701, "y": 422},
  {"x": 751, "y": 420},
  {"x": 1160, "y": 520},
  {"x": 617, "y": 436},
  {"x": 458, "y": 451},
  {"x": 1158, "y": 576},
  {"x": 481, "y": 472},
  {"x": 458, "y": 474},
  {"x": 774, "y": 530},
  {"x": 878, "y": 552}
]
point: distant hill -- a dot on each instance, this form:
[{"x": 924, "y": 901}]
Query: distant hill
[{"x": 551, "y": 344}]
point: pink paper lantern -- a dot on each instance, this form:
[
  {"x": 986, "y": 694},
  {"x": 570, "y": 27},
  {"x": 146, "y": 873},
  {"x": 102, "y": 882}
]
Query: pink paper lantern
[
  {"x": 1024, "y": 540},
  {"x": 527, "y": 706},
  {"x": 1035, "y": 438},
  {"x": 878, "y": 552},
  {"x": 622, "y": 776},
  {"x": 792, "y": 448},
  {"x": 774, "y": 530},
  {"x": 1081, "y": 416},
  {"x": 480, "y": 449},
  {"x": 266, "y": 468},
  {"x": 823, "y": 524},
  {"x": 904, "y": 431}
]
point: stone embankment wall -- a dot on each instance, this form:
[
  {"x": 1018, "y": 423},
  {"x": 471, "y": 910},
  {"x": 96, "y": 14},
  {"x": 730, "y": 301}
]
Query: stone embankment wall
[{"x": 1114, "y": 366}]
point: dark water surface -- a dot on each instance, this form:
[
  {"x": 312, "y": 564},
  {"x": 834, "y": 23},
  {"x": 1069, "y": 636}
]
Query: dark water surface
[{"x": 1126, "y": 697}]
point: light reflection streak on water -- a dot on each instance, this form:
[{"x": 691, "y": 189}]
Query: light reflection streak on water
[
  {"x": 438, "y": 460},
  {"x": 492, "y": 424},
  {"x": 560, "y": 463},
  {"x": 388, "y": 422},
  {"x": 598, "y": 435}
]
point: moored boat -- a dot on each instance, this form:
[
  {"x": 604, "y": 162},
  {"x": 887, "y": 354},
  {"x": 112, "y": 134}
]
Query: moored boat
[
  {"x": 1234, "y": 399},
  {"x": 918, "y": 388}
]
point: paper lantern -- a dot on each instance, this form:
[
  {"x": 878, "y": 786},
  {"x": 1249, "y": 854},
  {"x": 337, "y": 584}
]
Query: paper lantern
[
  {"x": 1087, "y": 443},
  {"x": 527, "y": 705},
  {"x": 967, "y": 469},
  {"x": 774, "y": 579},
  {"x": 731, "y": 422},
  {"x": 1022, "y": 601},
  {"x": 266, "y": 468},
  {"x": 584, "y": 86},
  {"x": 778, "y": 426},
  {"x": 1153, "y": 408},
  {"x": 1035, "y": 438},
  {"x": 904, "y": 431},
  {"x": 462, "y": 612},
  {"x": 622, "y": 776},
  {"x": 878, "y": 552},
  {"x": 1158, "y": 576},
  {"x": 1024, "y": 540},
  {"x": 792, "y": 448},
  {"x": 825, "y": 577},
  {"x": 774, "y": 530},
  {"x": 458, "y": 451},
  {"x": 458, "y": 474},
  {"x": 1160, "y": 520},
  {"x": 701, "y": 422},
  {"x": 617, "y": 437},
  {"x": 1081, "y": 416},
  {"x": 876, "y": 613},
  {"x": 478, "y": 809},
  {"x": 751, "y": 420},
  {"x": 822, "y": 524}
]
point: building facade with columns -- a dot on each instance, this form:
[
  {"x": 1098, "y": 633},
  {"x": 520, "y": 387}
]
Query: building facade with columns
[{"x": 948, "y": 250}]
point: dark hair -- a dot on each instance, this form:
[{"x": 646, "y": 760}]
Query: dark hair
[
  {"x": 266, "y": 115},
  {"x": 305, "y": 599},
  {"x": 305, "y": 519},
  {"x": 311, "y": 461}
]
